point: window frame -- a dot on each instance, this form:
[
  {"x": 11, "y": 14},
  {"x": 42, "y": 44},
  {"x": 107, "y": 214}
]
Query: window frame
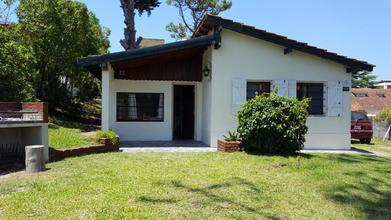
[
  {"x": 137, "y": 120},
  {"x": 259, "y": 82},
  {"x": 320, "y": 84}
]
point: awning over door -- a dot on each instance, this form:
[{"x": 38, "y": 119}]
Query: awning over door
[{"x": 178, "y": 61}]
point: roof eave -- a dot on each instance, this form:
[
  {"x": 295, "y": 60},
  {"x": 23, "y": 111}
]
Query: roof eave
[
  {"x": 144, "y": 52},
  {"x": 351, "y": 64}
]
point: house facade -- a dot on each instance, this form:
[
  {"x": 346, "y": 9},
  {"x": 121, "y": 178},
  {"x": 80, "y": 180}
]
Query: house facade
[
  {"x": 370, "y": 101},
  {"x": 193, "y": 89}
]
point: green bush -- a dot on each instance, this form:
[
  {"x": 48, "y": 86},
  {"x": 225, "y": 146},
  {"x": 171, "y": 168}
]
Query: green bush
[
  {"x": 384, "y": 116},
  {"x": 272, "y": 124},
  {"x": 108, "y": 134}
]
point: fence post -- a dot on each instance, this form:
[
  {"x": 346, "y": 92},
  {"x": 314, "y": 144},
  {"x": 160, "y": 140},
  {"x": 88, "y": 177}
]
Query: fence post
[{"x": 387, "y": 133}]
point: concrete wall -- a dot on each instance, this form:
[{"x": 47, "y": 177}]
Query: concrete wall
[
  {"x": 245, "y": 57},
  {"x": 145, "y": 131},
  {"x": 36, "y": 136},
  {"x": 24, "y": 135},
  {"x": 206, "y": 98}
]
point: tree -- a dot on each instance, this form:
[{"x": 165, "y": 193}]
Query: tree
[
  {"x": 191, "y": 13},
  {"x": 364, "y": 79},
  {"x": 60, "y": 31},
  {"x": 16, "y": 68},
  {"x": 129, "y": 7}
]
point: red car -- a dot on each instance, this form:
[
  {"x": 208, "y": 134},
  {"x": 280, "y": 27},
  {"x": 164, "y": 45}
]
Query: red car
[{"x": 361, "y": 127}]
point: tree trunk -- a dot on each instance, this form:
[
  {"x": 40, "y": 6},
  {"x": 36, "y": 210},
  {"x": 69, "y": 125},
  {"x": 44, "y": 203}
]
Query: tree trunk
[{"x": 129, "y": 42}]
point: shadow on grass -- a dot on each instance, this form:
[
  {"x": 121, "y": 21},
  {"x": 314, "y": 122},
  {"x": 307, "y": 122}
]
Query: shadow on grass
[
  {"x": 346, "y": 158},
  {"x": 8, "y": 166},
  {"x": 153, "y": 200},
  {"x": 259, "y": 153},
  {"x": 358, "y": 142},
  {"x": 218, "y": 199},
  {"x": 58, "y": 122},
  {"x": 369, "y": 194}
]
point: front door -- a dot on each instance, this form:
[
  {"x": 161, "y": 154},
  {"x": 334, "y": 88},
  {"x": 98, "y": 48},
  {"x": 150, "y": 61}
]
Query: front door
[{"x": 183, "y": 128}]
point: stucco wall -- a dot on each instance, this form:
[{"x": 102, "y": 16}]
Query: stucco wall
[
  {"x": 206, "y": 99},
  {"x": 245, "y": 57},
  {"x": 145, "y": 131}
]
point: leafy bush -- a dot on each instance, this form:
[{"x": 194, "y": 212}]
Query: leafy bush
[
  {"x": 108, "y": 134},
  {"x": 273, "y": 125},
  {"x": 384, "y": 116},
  {"x": 232, "y": 136}
]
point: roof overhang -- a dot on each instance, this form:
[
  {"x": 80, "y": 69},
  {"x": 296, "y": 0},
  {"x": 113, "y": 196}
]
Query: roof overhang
[
  {"x": 211, "y": 22},
  {"x": 94, "y": 63}
]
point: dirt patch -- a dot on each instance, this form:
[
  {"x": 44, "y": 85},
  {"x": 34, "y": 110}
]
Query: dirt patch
[{"x": 90, "y": 134}]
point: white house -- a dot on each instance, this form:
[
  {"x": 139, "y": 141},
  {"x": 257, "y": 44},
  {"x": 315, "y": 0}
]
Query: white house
[{"x": 192, "y": 89}]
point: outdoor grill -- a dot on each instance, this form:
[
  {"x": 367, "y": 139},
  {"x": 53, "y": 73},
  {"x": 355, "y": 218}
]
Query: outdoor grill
[
  {"x": 21, "y": 124},
  {"x": 20, "y": 116}
]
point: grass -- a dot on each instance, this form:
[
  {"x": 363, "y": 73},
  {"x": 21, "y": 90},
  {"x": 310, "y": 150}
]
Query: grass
[
  {"x": 376, "y": 145},
  {"x": 202, "y": 186},
  {"x": 65, "y": 134}
]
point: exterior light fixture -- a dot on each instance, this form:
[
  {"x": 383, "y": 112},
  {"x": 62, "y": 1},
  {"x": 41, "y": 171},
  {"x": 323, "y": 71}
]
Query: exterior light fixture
[{"x": 207, "y": 71}]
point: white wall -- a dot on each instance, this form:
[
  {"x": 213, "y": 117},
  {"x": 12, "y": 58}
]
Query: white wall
[
  {"x": 206, "y": 99},
  {"x": 245, "y": 57},
  {"x": 145, "y": 131}
]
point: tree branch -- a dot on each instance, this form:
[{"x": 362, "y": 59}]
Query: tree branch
[{"x": 181, "y": 14}]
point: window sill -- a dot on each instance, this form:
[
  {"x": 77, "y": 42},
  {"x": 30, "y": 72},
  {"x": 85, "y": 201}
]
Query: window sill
[{"x": 317, "y": 116}]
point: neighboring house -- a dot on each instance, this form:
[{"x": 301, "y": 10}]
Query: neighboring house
[
  {"x": 192, "y": 89},
  {"x": 370, "y": 101},
  {"x": 385, "y": 84}
]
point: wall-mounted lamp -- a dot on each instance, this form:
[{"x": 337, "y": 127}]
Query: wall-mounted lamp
[{"x": 207, "y": 71}]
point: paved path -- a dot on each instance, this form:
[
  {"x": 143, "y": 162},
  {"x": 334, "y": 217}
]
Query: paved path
[
  {"x": 352, "y": 151},
  {"x": 168, "y": 149},
  {"x": 196, "y": 146},
  {"x": 165, "y": 146}
]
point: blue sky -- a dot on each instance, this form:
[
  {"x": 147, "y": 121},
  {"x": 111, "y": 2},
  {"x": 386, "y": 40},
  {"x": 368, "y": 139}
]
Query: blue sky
[{"x": 356, "y": 28}]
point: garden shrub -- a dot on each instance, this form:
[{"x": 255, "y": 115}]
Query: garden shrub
[
  {"x": 108, "y": 134},
  {"x": 384, "y": 116},
  {"x": 272, "y": 124}
]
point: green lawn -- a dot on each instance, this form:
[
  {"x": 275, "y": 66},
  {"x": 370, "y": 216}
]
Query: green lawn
[
  {"x": 202, "y": 186},
  {"x": 376, "y": 145},
  {"x": 68, "y": 134}
]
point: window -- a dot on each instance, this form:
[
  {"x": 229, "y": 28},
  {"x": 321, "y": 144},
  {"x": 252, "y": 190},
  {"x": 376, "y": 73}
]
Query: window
[
  {"x": 254, "y": 88},
  {"x": 314, "y": 91},
  {"x": 381, "y": 95},
  {"x": 359, "y": 116},
  {"x": 140, "y": 107},
  {"x": 360, "y": 94}
]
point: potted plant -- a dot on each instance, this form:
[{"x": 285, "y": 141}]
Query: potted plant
[{"x": 230, "y": 143}]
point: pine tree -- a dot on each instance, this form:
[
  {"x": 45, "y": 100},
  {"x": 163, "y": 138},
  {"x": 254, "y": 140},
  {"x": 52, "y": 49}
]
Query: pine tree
[
  {"x": 364, "y": 79},
  {"x": 197, "y": 10},
  {"x": 129, "y": 7}
]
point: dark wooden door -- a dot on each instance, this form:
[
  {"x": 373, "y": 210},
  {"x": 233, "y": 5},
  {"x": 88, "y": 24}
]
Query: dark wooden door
[{"x": 184, "y": 103}]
